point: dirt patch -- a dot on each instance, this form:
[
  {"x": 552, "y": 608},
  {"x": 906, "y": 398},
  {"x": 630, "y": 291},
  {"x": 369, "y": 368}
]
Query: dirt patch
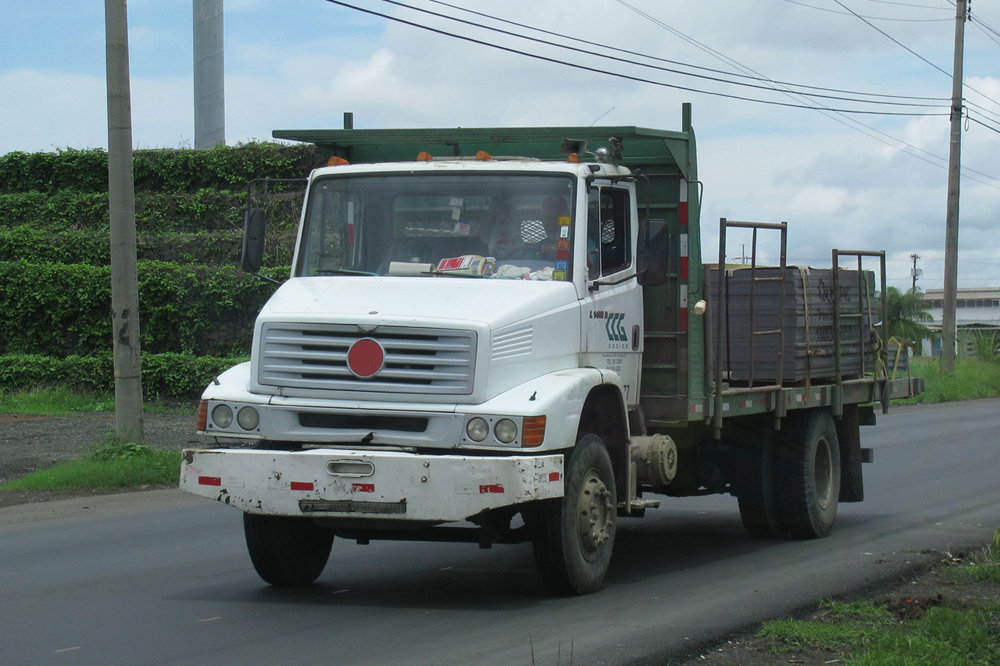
[{"x": 29, "y": 443}]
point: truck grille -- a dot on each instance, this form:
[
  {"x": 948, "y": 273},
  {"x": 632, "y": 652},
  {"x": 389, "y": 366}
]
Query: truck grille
[{"x": 416, "y": 360}]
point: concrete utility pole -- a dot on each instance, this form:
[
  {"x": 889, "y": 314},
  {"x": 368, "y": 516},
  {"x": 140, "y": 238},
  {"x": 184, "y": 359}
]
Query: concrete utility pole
[
  {"x": 948, "y": 332},
  {"x": 209, "y": 75},
  {"x": 121, "y": 196}
]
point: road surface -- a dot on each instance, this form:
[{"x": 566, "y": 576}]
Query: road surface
[{"x": 160, "y": 577}]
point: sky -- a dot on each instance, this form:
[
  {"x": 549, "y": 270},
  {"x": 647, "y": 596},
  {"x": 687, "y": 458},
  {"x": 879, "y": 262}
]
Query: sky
[{"x": 840, "y": 179}]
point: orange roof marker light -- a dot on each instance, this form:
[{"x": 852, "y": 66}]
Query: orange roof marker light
[
  {"x": 483, "y": 156},
  {"x": 424, "y": 156},
  {"x": 337, "y": 161},
  {"x": 573, "y": 157}
]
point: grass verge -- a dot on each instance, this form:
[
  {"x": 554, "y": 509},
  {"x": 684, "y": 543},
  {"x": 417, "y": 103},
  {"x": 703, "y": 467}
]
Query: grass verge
[
  {"x": 973, "y": 379},
  {"x": 959, "y": 624},
  {"x": 64, "y": 400},
  {"x": 109, "y": 466}
]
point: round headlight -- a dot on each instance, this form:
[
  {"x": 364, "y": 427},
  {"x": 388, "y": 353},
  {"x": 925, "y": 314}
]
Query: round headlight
[
  {"x": 477, "y": 429},
  {"x": 222, "y": 416},
  {"x": 505, "y": 430},
  {"x": 248, "y": 418}
]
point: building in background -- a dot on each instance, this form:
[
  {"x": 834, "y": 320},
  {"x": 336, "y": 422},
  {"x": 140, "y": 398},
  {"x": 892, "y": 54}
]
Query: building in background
[{"x": 977, "y": 313}]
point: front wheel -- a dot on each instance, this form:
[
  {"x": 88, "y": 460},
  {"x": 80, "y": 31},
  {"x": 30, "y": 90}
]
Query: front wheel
[
  {"x": 574, "y": 536},
  {"x": 287, "y": 550},
  {"x": 808, "y": 471}
]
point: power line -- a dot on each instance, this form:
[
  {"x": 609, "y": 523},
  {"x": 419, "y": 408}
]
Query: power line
[
  {"x": 620, "y": 75},
  {"x": 979, "y": 122},
  {"x": 639, "y": 64},
  {"x": 891, "y": 38},
  {"x": 895, "y": 41},
  {"x": 873, "y": 18},
  {"x": 905, "y": 4},
  {"x": 679, "y": 63},
  {"x": 851, "y": 123}
]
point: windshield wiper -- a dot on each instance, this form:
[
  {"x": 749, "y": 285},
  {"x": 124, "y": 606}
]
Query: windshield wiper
[{"x": 342, "y": 271}]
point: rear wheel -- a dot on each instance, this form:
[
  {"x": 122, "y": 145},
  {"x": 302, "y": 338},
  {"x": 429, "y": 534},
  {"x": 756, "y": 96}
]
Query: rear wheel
[
  {"x": 756, "y": 490},
  {"x": 574, "y": 536},
  {"x": 808, "y": 469},
  {"x": 287, "y": 550}
]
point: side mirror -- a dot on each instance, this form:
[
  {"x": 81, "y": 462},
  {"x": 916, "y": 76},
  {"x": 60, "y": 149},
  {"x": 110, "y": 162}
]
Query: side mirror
[
  {"x": 653, "y": 253},
  {"x": 253, "y": 240}
]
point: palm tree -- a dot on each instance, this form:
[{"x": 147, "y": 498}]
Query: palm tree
[{"x": 905, "y": 311}]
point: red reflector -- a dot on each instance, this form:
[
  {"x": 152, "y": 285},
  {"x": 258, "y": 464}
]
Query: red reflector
[
  {"x": 363, "y": 487},
  {"x": 301, "y": 485},
  {"x": 494, "y": 488},
  {"x": 554, "y": 476},
  {"x": 210, "y": 480}
]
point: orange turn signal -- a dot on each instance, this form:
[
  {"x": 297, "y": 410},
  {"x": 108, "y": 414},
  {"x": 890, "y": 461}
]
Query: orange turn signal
[
  {"x": 424, "y": 156},
  {"x": 202, "y": 416},
  {"x": 532, "y": 431},
  {"x": 336, "y": 161},
  {"x": 483, "y": 155}
]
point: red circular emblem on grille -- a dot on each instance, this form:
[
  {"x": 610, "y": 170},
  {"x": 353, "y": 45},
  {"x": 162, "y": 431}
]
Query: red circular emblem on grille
[{"x": 365, "y": 358}]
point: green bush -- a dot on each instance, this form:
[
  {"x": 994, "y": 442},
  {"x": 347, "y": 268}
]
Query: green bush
[
  {"x": 94, "y": 248},
  {"x": 184, "y": 170},
  {"x": 155, "y": 212},
  {"x": 163, "y": 375},
  {"x": 60, "y": 309}
]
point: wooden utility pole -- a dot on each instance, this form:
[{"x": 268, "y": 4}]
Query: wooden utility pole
[
  {"x": 948, "y": 327},
  {"x": 121, "y": 197}
]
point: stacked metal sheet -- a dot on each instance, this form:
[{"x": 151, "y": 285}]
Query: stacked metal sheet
[{"x": 751, "y": 318}]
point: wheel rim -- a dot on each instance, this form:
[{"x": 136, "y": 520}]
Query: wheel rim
[
  {"x": 596, "y": 516},
  {"x": 823, "y": 474}
]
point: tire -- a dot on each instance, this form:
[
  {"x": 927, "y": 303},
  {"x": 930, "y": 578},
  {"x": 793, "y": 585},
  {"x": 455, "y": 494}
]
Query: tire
[
  {"x": 756, "y": 490},
  {"x": 574, "y": 536},
  {"x": 808, "y": 470},
  {"x": 286, "y": 551}
]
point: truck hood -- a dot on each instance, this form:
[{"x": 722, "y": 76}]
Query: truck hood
[{"x": 443, "y": 301}]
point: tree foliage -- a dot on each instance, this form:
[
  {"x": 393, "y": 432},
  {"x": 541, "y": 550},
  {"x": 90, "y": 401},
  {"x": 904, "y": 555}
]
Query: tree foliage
[{"x": 906, "y": 315}]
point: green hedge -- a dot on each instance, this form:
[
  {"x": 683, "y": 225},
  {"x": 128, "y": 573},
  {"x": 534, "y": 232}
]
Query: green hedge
[
  {"x": 163, "y": 375},
  {"x": 92, "y": 247},
  {"x": 62, "y": 309},
  {"x": 155, "y": 212},
  {"x": 186, "y": 170}
]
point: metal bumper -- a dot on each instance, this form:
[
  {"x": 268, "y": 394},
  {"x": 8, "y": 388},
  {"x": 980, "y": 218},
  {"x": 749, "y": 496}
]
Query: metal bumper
[{"x": 378, "y": 485}]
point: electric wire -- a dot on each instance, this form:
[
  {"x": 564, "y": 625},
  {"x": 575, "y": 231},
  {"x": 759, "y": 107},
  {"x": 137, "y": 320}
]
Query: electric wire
[
  {"x": 891, "y": 38},
  {"x": 620, "y": 75},
  {"x": 873, "y": 18},
  {"x": 679, "y": 63},
  {"x": 645, "y": 65},
  {"x": 850, "y": 122}
]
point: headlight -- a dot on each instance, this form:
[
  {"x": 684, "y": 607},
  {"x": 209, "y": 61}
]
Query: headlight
[
  {"x": 477, "y": 429},
  {"x": 248, "y": 418},
  {"x": 505, "y": 430},
  {"x": 222, "y": 416}
]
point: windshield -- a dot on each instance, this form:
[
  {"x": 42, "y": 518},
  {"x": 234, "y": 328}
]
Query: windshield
[{"x": 501, "y": 226}]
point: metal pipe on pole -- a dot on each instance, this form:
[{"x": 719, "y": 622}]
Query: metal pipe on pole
[
  {"x": 121, "y": 197},
  {"x": 209, "y": 75},
  {"x": 948, "y": 324}
]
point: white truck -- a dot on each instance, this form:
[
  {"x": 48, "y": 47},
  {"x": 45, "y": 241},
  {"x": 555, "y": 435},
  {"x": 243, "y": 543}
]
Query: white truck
[{"x": 508, "y": 335}]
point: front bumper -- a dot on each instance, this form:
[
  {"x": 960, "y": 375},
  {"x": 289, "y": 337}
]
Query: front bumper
[{"x": 377, "y": 485}]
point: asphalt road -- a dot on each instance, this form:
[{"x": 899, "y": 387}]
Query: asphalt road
[{"x": 160, "y": 577}]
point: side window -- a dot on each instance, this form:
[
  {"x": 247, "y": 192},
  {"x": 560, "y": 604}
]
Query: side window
[{"x": 608, "y": 232}]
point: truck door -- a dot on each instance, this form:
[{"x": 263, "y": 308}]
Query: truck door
[{"x": 612, "y": 309}]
